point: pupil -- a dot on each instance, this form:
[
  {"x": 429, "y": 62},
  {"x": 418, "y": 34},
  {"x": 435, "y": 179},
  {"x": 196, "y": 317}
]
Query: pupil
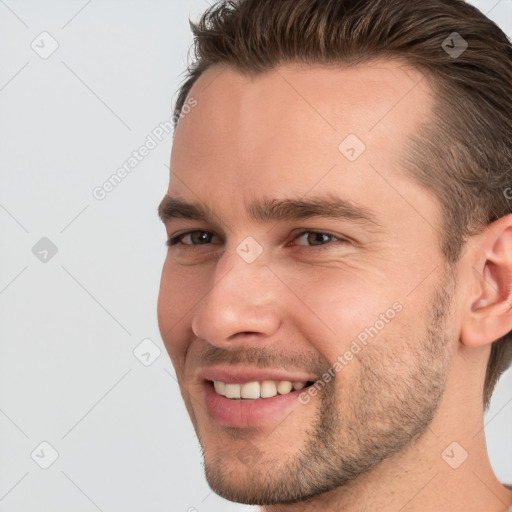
[
  {"x": 317, "y": 237},
  {"x": 202, "y": 237}
]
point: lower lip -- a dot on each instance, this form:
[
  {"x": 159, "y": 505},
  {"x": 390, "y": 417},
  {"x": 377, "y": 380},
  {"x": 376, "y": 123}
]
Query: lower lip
[{"x": 248, "y": 413}]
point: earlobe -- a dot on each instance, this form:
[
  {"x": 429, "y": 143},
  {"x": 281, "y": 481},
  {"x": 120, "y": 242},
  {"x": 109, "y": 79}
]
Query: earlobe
[{"x": 488, "y": 314}]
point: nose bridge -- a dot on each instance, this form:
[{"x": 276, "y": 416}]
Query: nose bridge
[
  {"x": 241, "y": 298},
  {"x": 241, "y": 270}
]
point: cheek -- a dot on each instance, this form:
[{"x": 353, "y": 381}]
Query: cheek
[
  {"x": 180, "y": 291},
  {"x": 338, "y": 305}
]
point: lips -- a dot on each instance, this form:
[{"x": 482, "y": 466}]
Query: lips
[
  {"x": 238, "y": 411},
  {"x": 242, "y": 375}
]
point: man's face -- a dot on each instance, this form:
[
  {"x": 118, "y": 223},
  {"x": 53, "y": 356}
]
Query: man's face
[{"x": 353, "y": 296}]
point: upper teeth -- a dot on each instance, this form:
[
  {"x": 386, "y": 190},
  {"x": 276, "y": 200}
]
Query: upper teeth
[{"x": 254, "y": 390}]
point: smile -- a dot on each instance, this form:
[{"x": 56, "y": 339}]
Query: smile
[{"x": 255, "y": 390}]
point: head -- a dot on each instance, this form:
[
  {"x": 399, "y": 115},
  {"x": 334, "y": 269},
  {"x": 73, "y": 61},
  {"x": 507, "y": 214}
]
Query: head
[{"x": 347, "y": 194}]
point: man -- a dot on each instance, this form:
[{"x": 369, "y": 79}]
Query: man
[{"x": 336, "y": 298}]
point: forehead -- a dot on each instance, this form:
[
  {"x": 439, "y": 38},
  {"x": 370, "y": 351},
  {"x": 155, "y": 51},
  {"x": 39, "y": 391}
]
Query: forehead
[{"x": 296, "y": 128}]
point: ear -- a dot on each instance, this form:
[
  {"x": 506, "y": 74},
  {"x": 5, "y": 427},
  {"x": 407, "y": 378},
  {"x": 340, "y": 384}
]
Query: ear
[{"x": 488, "y": 310}]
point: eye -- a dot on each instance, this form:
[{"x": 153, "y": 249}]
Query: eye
[
  {"x": 196, "y": 238},
  {"x": 317, "y": 238}
]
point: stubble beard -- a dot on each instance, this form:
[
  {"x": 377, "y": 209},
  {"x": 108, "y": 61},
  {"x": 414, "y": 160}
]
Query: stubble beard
[{"x": 392, "y": 402}]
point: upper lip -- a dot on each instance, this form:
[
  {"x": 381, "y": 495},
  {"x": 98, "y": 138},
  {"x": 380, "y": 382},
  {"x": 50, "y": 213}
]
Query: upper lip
[{"x": 240, "y": 374}]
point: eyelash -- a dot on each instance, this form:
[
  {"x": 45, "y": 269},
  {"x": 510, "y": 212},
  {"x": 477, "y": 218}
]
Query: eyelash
[{"x": 175, "y": 240}]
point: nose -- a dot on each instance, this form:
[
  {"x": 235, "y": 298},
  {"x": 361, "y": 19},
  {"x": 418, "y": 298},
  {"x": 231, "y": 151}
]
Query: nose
[{"x": 241, "y": 304}]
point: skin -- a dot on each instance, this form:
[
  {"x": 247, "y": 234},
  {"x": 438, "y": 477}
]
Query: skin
[{"x": 371, "y": 439}]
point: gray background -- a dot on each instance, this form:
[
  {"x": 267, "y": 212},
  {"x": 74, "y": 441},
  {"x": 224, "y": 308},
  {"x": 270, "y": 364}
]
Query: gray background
[{"x": 70, "y": 321}]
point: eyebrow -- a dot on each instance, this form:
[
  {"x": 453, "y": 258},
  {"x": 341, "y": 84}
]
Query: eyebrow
[{"x": 268, "y": 210}]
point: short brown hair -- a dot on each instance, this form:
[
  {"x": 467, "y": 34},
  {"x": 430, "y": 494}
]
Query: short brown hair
[{"x": 463, "y": 153}]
